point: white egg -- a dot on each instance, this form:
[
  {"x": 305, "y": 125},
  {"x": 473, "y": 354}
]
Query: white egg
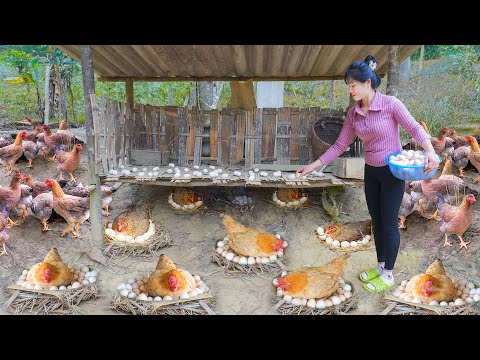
[
  {"x": 443, "y": 303},
  {"x": 353, "y": 243},
  {"x": 470, "y": 285},
  {"x": 243, "y": 260},
  {"x": 336, "y": 243},
  {"x": 279, "y": 292},
  {"x": 185, "y": 296},
  {"x": 192, "y": 293},
  {"x": 459, "y": 302},
  {"x": 110, "y": 233},
  {"x": 62, "y": 288},
  {"x": 199, "y": 291},
  {"x": 168, "y": 297},
  {"x": 336, "y": 300},
  {"x": 251, "y": 260},
  {"x": 311, "y": 303},
  {"x": 77, "y": 285},
  {"x": 476, "y": 297},
  {"x": 291, "y": 176},
  {"x": 434, "y": 302},
  {"x": 142, "y": 297},
  {"x": 328, "y": 303},
  {"x": 230, "y": 256},
  {"x": 272, "y": 257},
  {"x": 345, "y": 244},
  {"x": 296, "y": 301},
  {"x": 285, "y": 244},
  {"x": 284, "y": 273},
  {"x": 37, "y": 287},
  {"x": 53, "y": 288},
  {"x": 347, "y": 294},
  {"x": 304, "y": 302},
  {"x": 416, "y": 301},
  {"x": 220, "y": 250},
  {"x": 469, "y": 300},
  {"x": 287, "y": 298},
  {"x": 265, "y": 260},
  {"x": 85, "y": 282},
  {"x": 92, "y": 279}
]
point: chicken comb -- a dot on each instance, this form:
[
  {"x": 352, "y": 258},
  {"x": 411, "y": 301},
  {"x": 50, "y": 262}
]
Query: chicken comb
[{"x": 52, "y": 256}]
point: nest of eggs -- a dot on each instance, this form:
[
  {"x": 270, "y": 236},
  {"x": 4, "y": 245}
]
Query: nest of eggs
[
  {"x": 289, "y": 199},
  {"x": 63, "y": 300},
  {"x": 365, "y": 243},
  {"x": 235, "y": 264},
  {"x": 464, "y": 302},
  {"x": 185, "y": 201},
  {"x": 148, "y": 248},
  {"x": 338, "y": 303},
  {"x": 130, "y": 297}
]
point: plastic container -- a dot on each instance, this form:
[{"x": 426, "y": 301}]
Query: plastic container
[{"x": 412, "y": 172}]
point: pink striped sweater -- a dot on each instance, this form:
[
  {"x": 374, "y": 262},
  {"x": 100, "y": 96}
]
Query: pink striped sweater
[{"x": 378, "y": 130}]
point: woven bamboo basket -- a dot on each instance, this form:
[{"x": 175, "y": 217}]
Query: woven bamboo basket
[{"x": 324, "y": 133}]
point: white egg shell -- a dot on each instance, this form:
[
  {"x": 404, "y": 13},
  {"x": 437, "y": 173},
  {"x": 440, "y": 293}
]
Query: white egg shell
[
  {"x": 347, "y": 294},
  {"x": 347, "y": 287},
  {"x": 471, "y": 285},
  {"x": 124, "y": 292},
  {"x": 185, "y": 296},
  {"x": 77, "y": 285},
  {"x": 230, "y": 256},
  {"x": 476, "y": 297},
  {"x": 287, "y": 298},
  {"x": 92, "y": 279},
  {"x": 121, "y": 286},
  {"x": 335, "y": 300},
  {"x": 345, "y": 244},
  {"x": 168, "y": 297},
  {"x": 236, "y": 259},
  {"x": 336, "y": 243},
  {"x": 311, "y": 303},
  {"x": 327, "y": 239},
  {"x": 320, "y": 304},
  {"x": 443, "y": 303},
  {"x": 251, "y": 260},
  {"x": 320, "y": 230},
  {"x": 110, "y": 233},
  {"x": 243, "y": 260},
  {"x": 296, "y": 301},
  {"x": 62, "y": 288},
  {"x": 279, "y": 292},
  {"x": 272, "y": 257},
  {"x": 328, "y": 303},
  {"x": 459, "y": 302}
]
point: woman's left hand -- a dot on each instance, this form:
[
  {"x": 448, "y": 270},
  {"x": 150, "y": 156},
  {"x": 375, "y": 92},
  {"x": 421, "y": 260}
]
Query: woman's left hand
[{"x": 431, "y": 162}]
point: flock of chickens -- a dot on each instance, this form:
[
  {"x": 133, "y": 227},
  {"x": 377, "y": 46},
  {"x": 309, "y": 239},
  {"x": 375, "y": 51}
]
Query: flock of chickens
[
  {"x": 441, "y": 195},
  {"x": 65, "y": 198}
]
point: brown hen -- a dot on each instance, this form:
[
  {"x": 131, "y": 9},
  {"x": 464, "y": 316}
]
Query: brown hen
[
  {"x": 133, "y": 222},
  {"x": 349, "y": 231},
  {"x": 433, "y": 285},
  {"x": 474, "y": 156},
  {"x": 250, "y": 241},
  {"x": 11, "y": 153},
  {"x": 52, "y": 271},
  {"x": 167, "y": 279},
  {"x": 314, "y": 282}
]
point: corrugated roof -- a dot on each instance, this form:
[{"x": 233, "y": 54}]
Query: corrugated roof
[{"x": 231, "y": 62}]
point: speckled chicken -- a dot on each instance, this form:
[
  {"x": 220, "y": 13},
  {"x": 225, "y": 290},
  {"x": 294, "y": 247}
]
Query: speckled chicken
[
  {"x": 133, "y": 222},
  {"x": 167, "y": 279},
  {"x": 39, "y": 187},
  {"x": 460, "y": 158},
  {"x": 42, "y": 207},
  {"x": 314, "y": 282},
  {"x": 52, "y": 271},
  {"x": 82, "y": 191},
  {"x": 406, "y": 208},
  {"x": 75, "y": 210},
  {"x": 30, "y": 151},
  {"x": 250, "y": 241},
  {"x": 459, "y": 140},
  {"x": 25, "y": 200},
  {"x": 11, "y": 153},
  {"x": 433, "y": 285}
]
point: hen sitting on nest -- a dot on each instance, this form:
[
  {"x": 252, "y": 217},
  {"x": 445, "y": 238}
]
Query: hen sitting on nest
[
  {"x": 52, "y": 271},
  {"x": 133, "y": 222}
]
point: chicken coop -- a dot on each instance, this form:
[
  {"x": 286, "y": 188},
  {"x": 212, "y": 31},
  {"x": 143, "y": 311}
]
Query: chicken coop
[{"x": 128, "y": 135}]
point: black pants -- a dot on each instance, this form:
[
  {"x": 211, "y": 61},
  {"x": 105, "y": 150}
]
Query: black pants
[{"x": 384, "y": 193}]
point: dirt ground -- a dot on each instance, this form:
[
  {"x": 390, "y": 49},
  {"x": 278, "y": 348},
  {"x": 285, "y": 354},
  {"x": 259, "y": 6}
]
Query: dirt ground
[{"x": 194, "y": 237}]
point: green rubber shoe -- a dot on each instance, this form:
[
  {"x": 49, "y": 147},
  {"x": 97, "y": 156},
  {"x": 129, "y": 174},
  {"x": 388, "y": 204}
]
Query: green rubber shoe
[
  {"x": 368, "y": 275},
  {"x": 379, "y": 284}
]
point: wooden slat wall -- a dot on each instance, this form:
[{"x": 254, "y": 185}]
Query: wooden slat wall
[
  {"x": 269, "y": 121},
  {"x": 237, "y": 136}
]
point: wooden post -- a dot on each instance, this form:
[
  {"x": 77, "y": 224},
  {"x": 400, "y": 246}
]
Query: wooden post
[
  {"x": 96, "y": 220},
  {"x": 420, "y": 60},
  {"x": 129, "y": 117},
  {"x": 393, "y": 71}
]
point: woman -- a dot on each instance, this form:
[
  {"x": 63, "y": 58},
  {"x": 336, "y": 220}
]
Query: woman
[{"x": 375, "y": 118}]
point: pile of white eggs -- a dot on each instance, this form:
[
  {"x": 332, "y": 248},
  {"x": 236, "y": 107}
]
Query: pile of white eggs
[
  {"x": 344, "y": 244},
  {"x": 466, "y": 294},
  {"x": 251, "y": 174},
  {"x": 82, "y": 276},
  {"x": 140, "y": 239},
  {"x": 290, "y": 204},
  {"x": 343, "y": 293},
  {"x": 408, "y": 158},
  {"x": 225, "y": 251},
  {"x": 186, "y": 207},
  {"x": 296, "y": 176},
  {"x": 134, "y": 289},
  {"x": 242, "y": 200}
]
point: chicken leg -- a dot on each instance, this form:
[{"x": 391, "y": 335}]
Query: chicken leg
[
  {"x": 401, "y": 223},
  {"x": 17, "y": 170},
  {"x": 446, "y": 243},
  {"x": 74, "y": 179},
  {"x": 77, "y": 234},
  {"x": 45, "y": 225},
  {"x": 4, "y": 252},
  {"x": 460, "y": 172},
  {"x": 61, "y": 176},
  {"x": 435, "y": 216},
  {"x": 65, "y": 232},
  {"x": 30, "y": 163},
  {"x": 53, "y": 158},
  {"x": 24, "y": 214},
  {"x": 12, "y": 223},
  {"x": 463, "y": 243}
]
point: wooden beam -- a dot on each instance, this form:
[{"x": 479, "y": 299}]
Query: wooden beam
[
  {"x": 96, "y": 219},
  {"x": 393, "y": 70},
  {"x": 221, "y": 78}
]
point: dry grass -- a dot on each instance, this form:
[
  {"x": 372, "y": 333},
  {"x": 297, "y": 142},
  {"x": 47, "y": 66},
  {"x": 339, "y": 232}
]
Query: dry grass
[
  {"x": 199, "y": 305},
  {"x": 46, "y": 302},
  {"x": 398, "y": 306},
  {"x": 285, "y": 308},
  {"x": 148, "y": 251},
  {"x": 368, "y": 246}
]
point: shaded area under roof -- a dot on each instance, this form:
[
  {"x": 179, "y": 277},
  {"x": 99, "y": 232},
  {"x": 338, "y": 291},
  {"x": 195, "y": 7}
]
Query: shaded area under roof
[{"x": 231, "y": 62}]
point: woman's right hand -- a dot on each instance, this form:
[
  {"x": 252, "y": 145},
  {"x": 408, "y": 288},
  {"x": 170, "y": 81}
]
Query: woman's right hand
[{"x": 307, "y": 169}]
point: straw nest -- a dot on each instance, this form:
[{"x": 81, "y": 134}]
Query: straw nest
[
  {"x": 464, "y": 303},
  {"x": 289, "y": 199},
  {"x": 235, "y": 264},
  {"x": 184, "y": 201},
  {"x": 35, "y": 301},
  {"x": 148, "y": 249},
  {"x": 344, "y": 299},
  {"x": 364, "y": 243},
  {"x": 131, "y": 297}
]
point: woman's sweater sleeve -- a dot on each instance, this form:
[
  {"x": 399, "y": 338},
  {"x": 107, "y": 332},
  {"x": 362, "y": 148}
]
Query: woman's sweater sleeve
[
  {"x": 344, "y": 139},
  {"x": 406, "y": 120}
]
